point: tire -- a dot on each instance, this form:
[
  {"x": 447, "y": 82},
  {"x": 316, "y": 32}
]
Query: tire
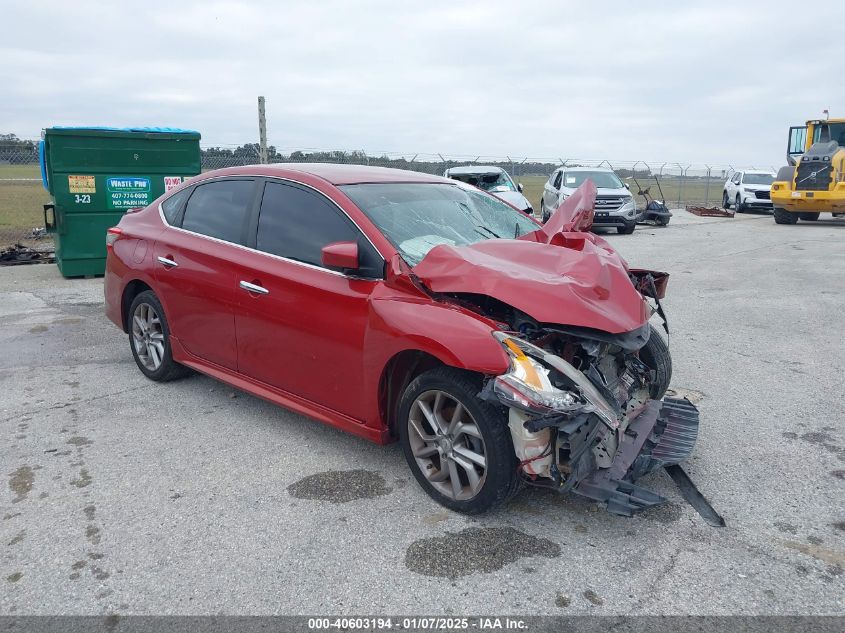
[
  {"x": 146, "y": 307},
  {"x": 810, "y": 217},
  {"x": 740, "y": 208},
  {"x": 627, "y": 229},
  {"x": 499, "y": 480},
  {"x": 782, "y": 216},
  {"x": 725, "y": 202},
  {"x": 655, "y": 354}
]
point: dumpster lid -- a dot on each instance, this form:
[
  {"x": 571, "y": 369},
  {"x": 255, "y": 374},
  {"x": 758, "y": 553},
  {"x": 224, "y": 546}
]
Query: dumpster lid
[{"x": 97, "y": 128}]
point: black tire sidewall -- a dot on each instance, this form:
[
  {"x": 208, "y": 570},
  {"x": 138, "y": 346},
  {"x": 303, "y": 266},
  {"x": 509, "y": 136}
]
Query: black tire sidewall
[
  {"x": 168, "y": 365},
  {"x": 655, "y": 354},
  {"x": 501, "y": 476}
]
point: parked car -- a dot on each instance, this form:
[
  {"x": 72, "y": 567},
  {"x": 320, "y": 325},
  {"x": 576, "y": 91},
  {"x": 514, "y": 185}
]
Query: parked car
[
  {"x": 615, "y": 206},
  {"x": 748, "y": 190},
  {"x": 493, "y": 180},
  {"x": 383, "y": 302}
]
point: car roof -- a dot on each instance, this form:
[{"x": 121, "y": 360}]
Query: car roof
[
  {"x": 756, "y": 171},
  {"x": 333, "y": 173},
  {"x": 587, "y": 169},
  {"x": 474, "y": 169}
]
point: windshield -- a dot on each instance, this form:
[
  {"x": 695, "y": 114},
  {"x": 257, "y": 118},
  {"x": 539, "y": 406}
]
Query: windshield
[
  {"x": 757, "y": 179},
  {"x": 494, "y": 181},
  {"x": 601, "y": 179},
  {"x": 830, "y": 132},
  {"x": 416, "y": 217}
]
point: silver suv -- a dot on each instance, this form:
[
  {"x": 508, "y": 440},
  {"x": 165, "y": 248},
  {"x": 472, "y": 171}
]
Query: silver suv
[{"x": 615, "y": 206}]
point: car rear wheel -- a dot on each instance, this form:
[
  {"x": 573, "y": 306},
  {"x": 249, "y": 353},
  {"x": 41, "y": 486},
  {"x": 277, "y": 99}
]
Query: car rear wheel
[
  {"x": 149, "y": 339},
  {"x": 782, "y": 216},
  {"x": 457, "y": 446},
  {"x": 725, "y": 202}
]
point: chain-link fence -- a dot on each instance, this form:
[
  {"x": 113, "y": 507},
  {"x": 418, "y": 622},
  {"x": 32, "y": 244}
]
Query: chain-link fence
[
  {"x": 22, "y": 197},
  {"x": 679, "y": 184}
]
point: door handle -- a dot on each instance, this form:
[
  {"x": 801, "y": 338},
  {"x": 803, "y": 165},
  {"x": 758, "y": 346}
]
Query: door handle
[
  {"x": 254, "y": 288},
  {"x": 167, "y": 262}
]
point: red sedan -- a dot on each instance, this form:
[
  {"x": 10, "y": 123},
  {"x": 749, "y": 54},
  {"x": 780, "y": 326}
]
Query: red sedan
[{"x": 398, "y": 305}]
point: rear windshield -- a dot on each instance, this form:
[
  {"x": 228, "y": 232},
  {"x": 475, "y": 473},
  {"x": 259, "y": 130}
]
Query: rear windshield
[
  {"x": 601, "y": 179},
  {"x": 494, "y": 182},
  {"x": 758, "y": 179}
]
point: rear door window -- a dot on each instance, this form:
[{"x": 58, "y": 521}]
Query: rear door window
[
  {"x": 296, "y": 223},
  {"x": 220, "y": 209},
  {"x": 173, "y": 206}
]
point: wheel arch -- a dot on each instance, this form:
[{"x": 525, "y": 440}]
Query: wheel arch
[
  {"x": 130, "y": 291},
  {"x": 399, "y": 371}
]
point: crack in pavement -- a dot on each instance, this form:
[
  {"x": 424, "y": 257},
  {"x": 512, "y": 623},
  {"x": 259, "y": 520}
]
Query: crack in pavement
[{"x": 73, "y": 404}]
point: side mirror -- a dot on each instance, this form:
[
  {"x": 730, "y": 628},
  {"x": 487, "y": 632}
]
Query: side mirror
[
  {"x": 343, "y": 255},
  {"x": 519, "y": 187},
  {"x": 627, "y": 186}
]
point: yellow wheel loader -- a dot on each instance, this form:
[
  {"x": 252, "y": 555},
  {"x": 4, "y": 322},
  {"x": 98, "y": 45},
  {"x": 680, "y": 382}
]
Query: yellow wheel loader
[{"x": 814, "y": 180}]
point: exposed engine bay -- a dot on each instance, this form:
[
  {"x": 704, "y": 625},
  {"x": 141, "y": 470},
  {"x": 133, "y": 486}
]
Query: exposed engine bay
[{"x": 585, "y": 408}]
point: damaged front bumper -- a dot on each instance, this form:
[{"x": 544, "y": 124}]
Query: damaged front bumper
[
  {"x": 580, "y": 439},
  {"x": 663, "y": 434}
]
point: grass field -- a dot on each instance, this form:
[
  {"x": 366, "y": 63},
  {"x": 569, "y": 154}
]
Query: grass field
[
  {"x": 21, "y": 202},
  {"x": 22, "y": 197}
]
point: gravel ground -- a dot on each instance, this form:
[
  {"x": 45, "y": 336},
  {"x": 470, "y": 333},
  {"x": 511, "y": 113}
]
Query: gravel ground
[{"x": 128, "y": 497}]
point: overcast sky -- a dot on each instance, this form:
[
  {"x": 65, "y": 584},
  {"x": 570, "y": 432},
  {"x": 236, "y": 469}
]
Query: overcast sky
[{"x": 658, "y": 81}]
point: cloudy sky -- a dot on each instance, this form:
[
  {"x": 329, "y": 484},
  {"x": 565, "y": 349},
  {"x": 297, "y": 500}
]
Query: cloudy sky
[{"x": 693, "y": 82}]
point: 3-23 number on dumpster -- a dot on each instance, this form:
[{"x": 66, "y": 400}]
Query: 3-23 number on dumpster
[{"x": 82, "y": 199}]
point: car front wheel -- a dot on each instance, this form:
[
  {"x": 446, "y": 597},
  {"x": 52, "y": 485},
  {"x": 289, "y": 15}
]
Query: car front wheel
[
  {"x": 149, "y": 339},
  {"x": 457, "y": 446}
]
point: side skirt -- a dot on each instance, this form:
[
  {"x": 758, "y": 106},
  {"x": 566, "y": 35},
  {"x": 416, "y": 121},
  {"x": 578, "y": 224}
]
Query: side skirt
[{"x": 278, "y": 396}]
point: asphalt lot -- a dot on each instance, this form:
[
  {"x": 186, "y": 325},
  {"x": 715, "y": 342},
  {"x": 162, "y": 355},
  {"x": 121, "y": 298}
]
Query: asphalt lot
[{"x": 128, "y": 497}]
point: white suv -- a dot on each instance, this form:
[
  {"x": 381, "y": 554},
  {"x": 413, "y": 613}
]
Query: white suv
[
  {"x": 748, "y": 190},
  {"x": 615, "y": 206}
]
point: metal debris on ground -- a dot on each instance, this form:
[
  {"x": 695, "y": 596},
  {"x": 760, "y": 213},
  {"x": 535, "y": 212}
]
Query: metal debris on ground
[
  {"x": 20, "y": 254},
  {"x": 711, "y": 212}
]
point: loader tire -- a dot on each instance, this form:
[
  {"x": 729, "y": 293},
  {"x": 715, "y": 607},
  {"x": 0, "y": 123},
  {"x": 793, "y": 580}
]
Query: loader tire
[
  {"x": 810, "y": 217},
  {"x": 655, "y": 354},
  {"x": 782, "y": 216}
]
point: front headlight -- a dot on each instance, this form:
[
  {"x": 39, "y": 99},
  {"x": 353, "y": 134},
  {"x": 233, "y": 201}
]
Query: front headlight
[{"x": 527, "y": 386}]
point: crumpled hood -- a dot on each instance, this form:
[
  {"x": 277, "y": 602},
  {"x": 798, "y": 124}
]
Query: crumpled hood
[
  {"x": 555, "y": 274},
  {"x": 513, "y": 198}
]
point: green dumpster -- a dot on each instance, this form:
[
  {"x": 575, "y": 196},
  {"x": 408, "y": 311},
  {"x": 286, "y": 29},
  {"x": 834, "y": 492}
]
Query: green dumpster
[{"x": 95, "y": 174}]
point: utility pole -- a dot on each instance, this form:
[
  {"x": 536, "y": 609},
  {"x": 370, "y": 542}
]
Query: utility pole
[{"x": 262, "y": 132}]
